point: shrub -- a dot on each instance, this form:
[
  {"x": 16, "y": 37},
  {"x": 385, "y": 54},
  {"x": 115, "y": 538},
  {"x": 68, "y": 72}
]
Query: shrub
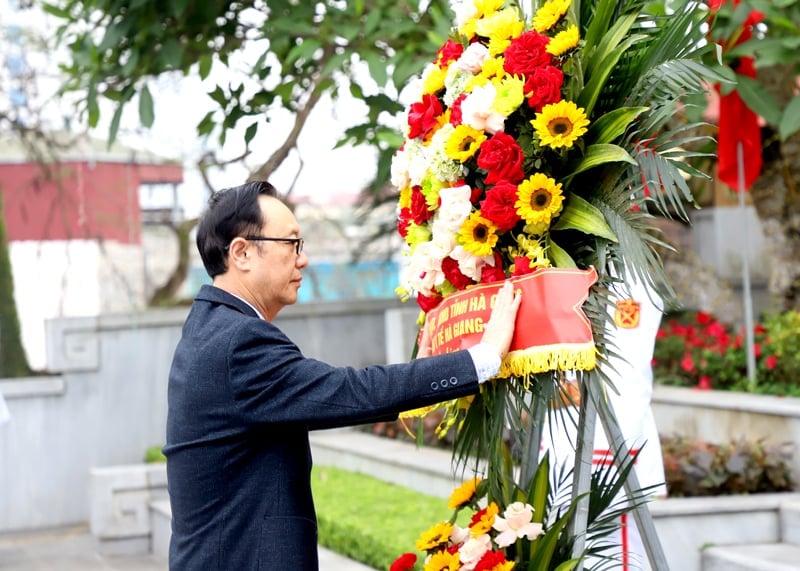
[
  {"x": 154, "y": 454},
  {"x": 696, "y": 349},
  {"x": 695, "y": 468}
]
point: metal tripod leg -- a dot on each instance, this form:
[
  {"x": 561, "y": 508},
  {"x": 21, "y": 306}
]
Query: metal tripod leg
[
  {"x": 641, "y": 513},
  {"x": 584, "y": 448}
]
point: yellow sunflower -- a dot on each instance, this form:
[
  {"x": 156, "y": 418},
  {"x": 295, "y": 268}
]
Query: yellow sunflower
[
  {"x": 443, "y": 561},
  {"x": 436, "y": 536},
  {"x": 564, "y": 41},
  {"x": 550, "y": 14},
  {"x": 478, "y": 235},
  {"x": 539, "y": 199},
  {"x": 463, "y": 142},
  {"x": 463, "y": 495},
  {"x": 560, "y": 124}
]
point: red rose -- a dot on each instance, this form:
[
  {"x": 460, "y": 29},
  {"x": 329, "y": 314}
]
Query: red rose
[
  {"x": 420, "y": 213},
  {"x": 498, "y": 206},
  {"x": 448, "y": 52},
  {"x": 426, "y": 303},
  {"x": 423, "y": 116},
  {"x": 522, "y": 266},
  {"x": 543, "y": 86},
  {"x": 403, "y": 221},
  {"x": 491, "y": 274},
  {"x": 526, "y": 53},
  {"x": 704, "y": 383},
  {"x": 454, "y": 275},
  {"x": 455, "y": 110},
  {"x": 404, "y": 563},
  {"x": 502, "y": 157}
]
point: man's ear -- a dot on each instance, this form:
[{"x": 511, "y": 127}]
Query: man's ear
[{"x": 237, "y": 254}]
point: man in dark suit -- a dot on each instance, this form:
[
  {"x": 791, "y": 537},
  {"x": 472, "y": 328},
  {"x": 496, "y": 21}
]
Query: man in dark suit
[{"x": 242, "y": 397}]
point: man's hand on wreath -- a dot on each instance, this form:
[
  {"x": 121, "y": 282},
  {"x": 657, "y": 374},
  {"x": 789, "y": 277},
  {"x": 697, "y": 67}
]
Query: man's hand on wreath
[{"x": 499, "y": 330}]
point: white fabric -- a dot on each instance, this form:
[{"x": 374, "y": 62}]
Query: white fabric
[
  {"x": 486, "y": 360},
  {"x": 632, "y": 376}
]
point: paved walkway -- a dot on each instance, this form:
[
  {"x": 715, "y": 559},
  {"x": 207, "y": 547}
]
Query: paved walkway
[{"x": 73, "y": 549}]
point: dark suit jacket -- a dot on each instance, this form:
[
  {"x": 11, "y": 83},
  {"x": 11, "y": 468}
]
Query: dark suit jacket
[{"x": 242, "y": 399}]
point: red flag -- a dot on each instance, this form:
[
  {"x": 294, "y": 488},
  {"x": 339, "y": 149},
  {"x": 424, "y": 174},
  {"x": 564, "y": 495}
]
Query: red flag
[{"x": 737, "y": 123}]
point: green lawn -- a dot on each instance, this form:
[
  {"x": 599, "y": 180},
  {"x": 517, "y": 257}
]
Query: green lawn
[{"x": 369, "y": 520}]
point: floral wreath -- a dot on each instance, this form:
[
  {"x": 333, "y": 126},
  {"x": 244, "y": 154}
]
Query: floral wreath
[{"x": 536, "y": 144}]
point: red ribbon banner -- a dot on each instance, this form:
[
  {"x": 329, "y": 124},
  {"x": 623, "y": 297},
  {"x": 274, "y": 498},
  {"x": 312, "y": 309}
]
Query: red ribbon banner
[{"x": 551, "y": 330}]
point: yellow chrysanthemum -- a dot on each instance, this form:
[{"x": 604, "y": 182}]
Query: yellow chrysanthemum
[
  {"x": 463, "y": 495},
  {"x": 510, "y": 94},
  {"x": 404, "y": 200},
  {"x": 500, "y": 27},
  {"x": 430, "y": 189},
  {"x": 483, "y": 9},
  {"x": 417, "y": 234},
  {"x": 492, "y": 69},
  {"x": 560, "y": 124},
  {"x": 436, "y": 536},
  {"x": 463, "y": 142},
  {"x": 434, "y": 79},
  {"x": 443, "y": 561},
  {"x": 536, "y": 228},
  {"x": 485, "y": 521},
  {"x": 539, "y": 199},
  {"x": 550, "y": 14},
  {"x": 564, "y": 41},
  {"x": 478, "y": 235}
]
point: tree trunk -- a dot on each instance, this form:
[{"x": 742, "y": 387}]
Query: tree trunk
[
  {"x": 167, "y": 292},
  {"x": 776, "y": 198},
  {"x": 13, "y": 361}
]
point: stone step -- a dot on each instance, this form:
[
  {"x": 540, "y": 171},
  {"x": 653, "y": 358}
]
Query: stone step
[
  {"x": 790, "y": 522},
  {"x": 423, "y": 469},
  {"x": 160, "y": 527},
  {"x": 754, "y": 557}
]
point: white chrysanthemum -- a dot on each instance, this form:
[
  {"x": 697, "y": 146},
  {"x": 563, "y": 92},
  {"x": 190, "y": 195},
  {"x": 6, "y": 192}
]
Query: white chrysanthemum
[
  {"x": 477, "y": 110},
  {"x": 472, "y": 551},
  {"x": 440, "y": 165},
  {"x": 469, "y": 264},
  {"x": 472, "y": 58}
]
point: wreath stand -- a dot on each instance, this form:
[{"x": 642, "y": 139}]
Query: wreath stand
[{"x": 590, "y": 411}]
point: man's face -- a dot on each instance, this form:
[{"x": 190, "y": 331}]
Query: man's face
[{"x": 277, "y": 269}]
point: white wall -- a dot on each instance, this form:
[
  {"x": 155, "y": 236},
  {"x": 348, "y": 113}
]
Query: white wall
[{"x": 75, "y": 278}]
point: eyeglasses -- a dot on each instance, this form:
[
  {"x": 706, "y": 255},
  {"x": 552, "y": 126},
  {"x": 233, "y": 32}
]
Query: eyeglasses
[{"x": 298, "y": 242}]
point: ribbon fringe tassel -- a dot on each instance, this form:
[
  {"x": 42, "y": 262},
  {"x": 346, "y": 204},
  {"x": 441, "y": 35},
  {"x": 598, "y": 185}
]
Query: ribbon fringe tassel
[{"x": 564, "y": 357}]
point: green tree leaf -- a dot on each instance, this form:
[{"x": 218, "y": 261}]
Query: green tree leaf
[{"x": 146, "y": 111}]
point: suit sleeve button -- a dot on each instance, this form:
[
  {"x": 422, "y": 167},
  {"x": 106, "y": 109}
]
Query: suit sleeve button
[
  {"x": 435, "y": 385},
  {"x": 453, "y": 381}
]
